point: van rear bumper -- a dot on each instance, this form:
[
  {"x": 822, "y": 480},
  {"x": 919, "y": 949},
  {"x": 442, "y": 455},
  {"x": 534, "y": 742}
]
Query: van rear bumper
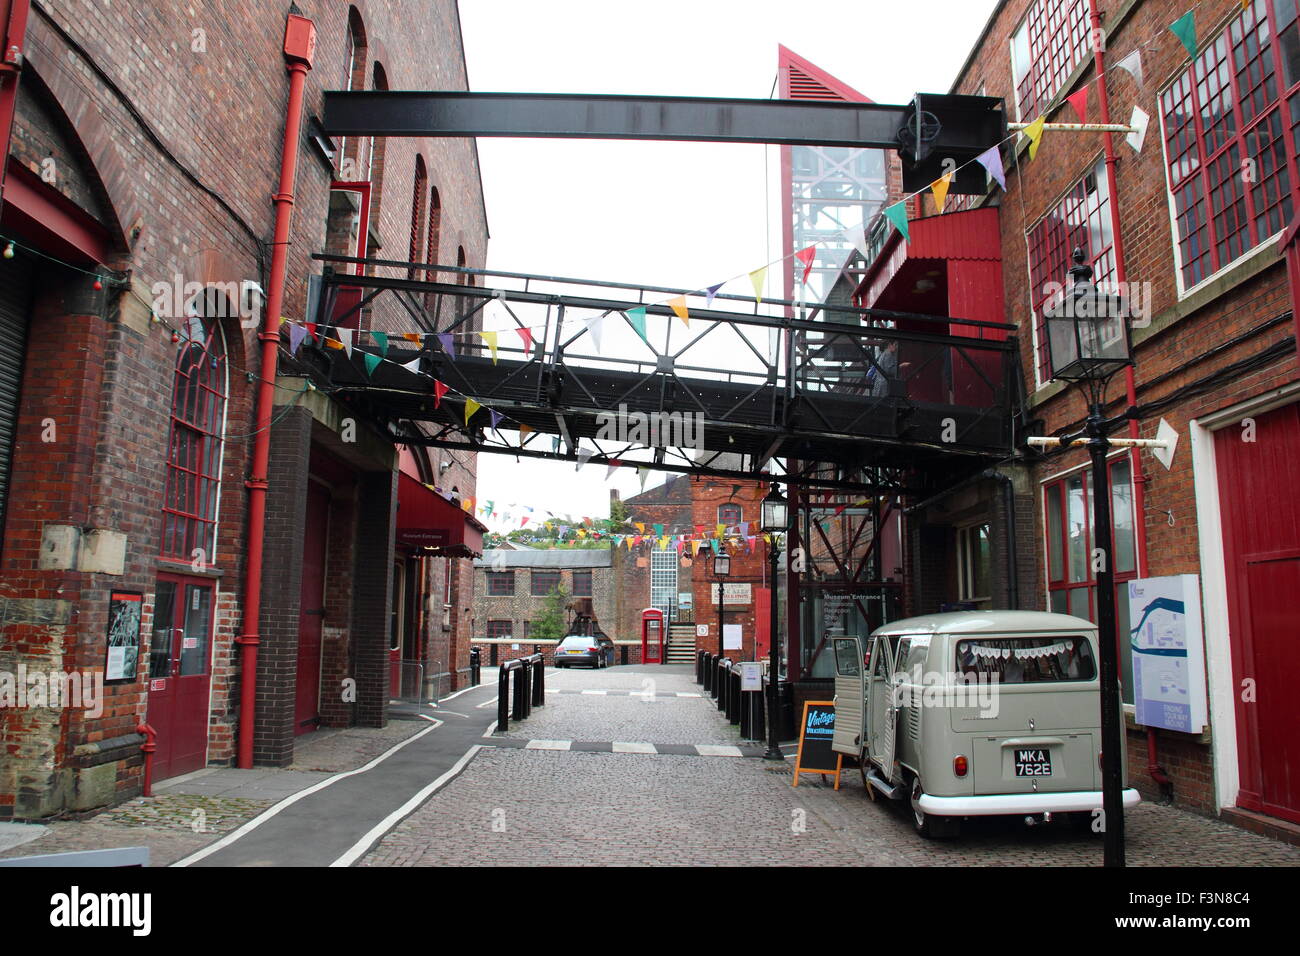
[{"x": 999, "y": 804}]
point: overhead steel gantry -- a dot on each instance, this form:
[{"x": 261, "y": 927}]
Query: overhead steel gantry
[{"x": 894, "y": 401}]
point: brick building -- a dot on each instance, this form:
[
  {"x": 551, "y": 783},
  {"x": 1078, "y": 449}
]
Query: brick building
[
  {"x": 1203, "y": 213},
  {"x": 145, "y": 149}
]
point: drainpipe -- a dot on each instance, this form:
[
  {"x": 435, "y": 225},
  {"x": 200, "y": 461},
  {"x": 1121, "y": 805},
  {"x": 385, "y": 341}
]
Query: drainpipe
[
  {"x": 299, "y": 47},
  {"x": 13, "y": 29},
  {"x": 1135, "y": 456}
]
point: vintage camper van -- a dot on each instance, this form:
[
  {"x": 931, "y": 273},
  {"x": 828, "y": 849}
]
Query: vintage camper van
[{"x": 978, "y": 713}]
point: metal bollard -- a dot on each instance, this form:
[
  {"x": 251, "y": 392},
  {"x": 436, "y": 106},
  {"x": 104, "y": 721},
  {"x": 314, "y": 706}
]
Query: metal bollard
[
  {"x": 706, "y": 662},
  {"x": 519, "y": 708},
  {"x": 494, "y": 655},
  {"x": 720, "y": 684},
  {"x": 539, "y": 681},
  {"x": 503, "y": 698},
  {"x": 735, "y": 702},
  {"x": 699, "y": 667},
  {"x": 475, "y": 666}
]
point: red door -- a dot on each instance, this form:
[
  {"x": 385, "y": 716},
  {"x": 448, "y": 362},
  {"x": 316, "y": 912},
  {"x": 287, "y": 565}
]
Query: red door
[
  {"x": 311, "y": 614},
  {"x": 180, "y": 653},
  {"x": 1261, "y": 543}
]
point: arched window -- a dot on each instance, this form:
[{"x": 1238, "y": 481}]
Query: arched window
[
  {"x": 354, "y": 59},
  {"x": 461, "y": 278},
  {"x": 194, "y": 444},
  {"x": 435, "y": 226},
  {"x": 417, "y": 216}
]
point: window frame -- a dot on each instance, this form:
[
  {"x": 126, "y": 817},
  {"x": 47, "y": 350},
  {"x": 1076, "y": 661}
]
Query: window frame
[
  {"x": 586, "y": 574},
  {"x": 1240, "y": 140},
  {"x": 965, "y": 570},
  {"x": 533, "y": 579},
  {"x": 494, "y": 578},
  {"x": 731, "y": 507},
  {"x": 492, "y": 629},
  {"x": 1044, "y": 25}
]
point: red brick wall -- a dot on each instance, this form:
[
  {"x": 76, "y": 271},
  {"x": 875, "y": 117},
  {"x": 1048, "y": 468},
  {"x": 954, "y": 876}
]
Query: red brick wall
[{"x": 748, "y": 561}]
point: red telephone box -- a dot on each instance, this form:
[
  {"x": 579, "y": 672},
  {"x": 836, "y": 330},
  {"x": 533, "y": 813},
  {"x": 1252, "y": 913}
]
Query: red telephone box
[{"x": 652, "y": 636}]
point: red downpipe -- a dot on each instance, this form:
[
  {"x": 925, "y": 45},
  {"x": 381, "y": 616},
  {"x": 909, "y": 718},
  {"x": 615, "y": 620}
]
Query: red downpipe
[
  {"x": 299, "y": 45},
  {"x": 1135, "y": 456},
  {"x": 13, "y": 29}
]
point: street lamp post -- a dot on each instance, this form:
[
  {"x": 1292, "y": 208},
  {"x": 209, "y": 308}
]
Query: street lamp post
[
  {"x": 1088, "y": 342},
  {"x": 776, "y": 520},
  {"x": 721, "y": 568}
]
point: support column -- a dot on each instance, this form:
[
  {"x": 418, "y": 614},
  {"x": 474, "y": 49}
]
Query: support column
[{"x": 372, "y": 594}]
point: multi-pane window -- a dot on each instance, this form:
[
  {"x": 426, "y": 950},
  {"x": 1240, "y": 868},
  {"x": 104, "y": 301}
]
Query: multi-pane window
[
  {"x": 1080, "y": 219},
  {"x": 663, "y": 582},
  {"x": 973, "y": 563},
  {"x": 194, "y": 445},
  {"x": 500, "y": 630},
  {"x": 500, "y": 583},
  {"x": 1050, "y": 43},
  {"x": 544, "y": 582},
  {"x": 1071, "y": 581},
  {"x": 582, "y": 584},
  {"x": 1229, "y": 124},
  {"x": 729, "y": 515}
]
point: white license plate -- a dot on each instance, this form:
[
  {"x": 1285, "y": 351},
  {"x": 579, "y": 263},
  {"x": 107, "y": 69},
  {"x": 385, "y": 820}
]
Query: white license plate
[{"x": 1033, "y": 762}]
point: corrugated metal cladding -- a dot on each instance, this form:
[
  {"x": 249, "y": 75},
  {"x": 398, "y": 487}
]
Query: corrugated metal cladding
[
  {"x": 973, "y": 234},
  {"x": 17, "y": 286}
]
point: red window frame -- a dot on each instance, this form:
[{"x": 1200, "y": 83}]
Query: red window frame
[
  {"x": 730, "y": 515},
  {"x": 1081, "y": 218},
  {"x": 583, "y": 589},
  {"x": 500, "y": 630},
  {"x": 194, "y": 441},
  {"x": 1224, "y": 109},
  {"x": 1059, "y": 32},
  {"x": 499, "y": 584},
  {"x": 540, "y": 579}
]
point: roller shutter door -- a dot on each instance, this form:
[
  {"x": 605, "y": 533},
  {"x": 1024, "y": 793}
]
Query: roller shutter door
[{"x": 16, "y": 288}]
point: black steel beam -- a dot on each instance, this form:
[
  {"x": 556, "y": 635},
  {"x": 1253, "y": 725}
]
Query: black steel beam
[{"x": 570, "y": 116}]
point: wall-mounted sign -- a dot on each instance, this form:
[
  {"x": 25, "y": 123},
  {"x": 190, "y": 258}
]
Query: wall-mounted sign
[
  {"x": 737, "y": 594},
  {"x": 1168, "y": 652},
  {"x": 124, "y": 611},
  {"x": 701, "y": 630},
  {"x": 731, "y": 640}
]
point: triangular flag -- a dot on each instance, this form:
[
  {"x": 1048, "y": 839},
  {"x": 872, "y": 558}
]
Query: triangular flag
[
  {"x": 333, "y": 344},
  {"x": 637, "y": 318},
  {"x": 415, "y": 337},
  {"x": 345, "y": 336},
  {"x": 806, "y": 256},
  {"x": 525, "y": 430},
  {"x": 594, "y": 326},
  {"x": 527, "y": 336},
  {"x": 659, "y": 530},
  {"x": 296, "y": 334},
  {"x": 856, "y": 236},
  {"x": 710, "y": 292},
  {"x": 1139, "y": 122},
  {"x": 1133, "y": 64},
  {"x": 897, "y": 214},
  {"x": 1185, "y": 29},
  {"x": 584, "y": 456},
  {"x": 448, "y": 343},
  {"x": 382, "y": 341},
  {"x": 722, "y": 530},
  {"x": 372, "y": 362},
  {"x": 1079, "y": 100},
  {"x": 471, "y": 407},
  {"x": 940, "y": 189},
  {"x": 496, "y": 417},
  {"x": 413, "y": 365},
  {"x": 1035, "y": 133},
  {"x": 678, "y": 305},
  {"x": 613, "y": 467},
  {"x": 639, "y": 525},
  {"x": 758, "y": 277},
  {"x": 642, "y": 473},
  {"x": 991, "y": 160},
  {"x": 439, "y": 390},
  {"x": 491, "y": 339}
]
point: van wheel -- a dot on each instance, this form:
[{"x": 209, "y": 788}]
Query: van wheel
[{"x": 926, "y": 824}]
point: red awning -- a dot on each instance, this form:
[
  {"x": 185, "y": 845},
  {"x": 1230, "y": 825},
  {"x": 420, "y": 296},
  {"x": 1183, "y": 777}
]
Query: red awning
[{"x": 428, "y": 521}]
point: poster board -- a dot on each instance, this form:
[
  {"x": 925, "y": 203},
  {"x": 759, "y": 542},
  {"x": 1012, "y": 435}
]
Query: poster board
[
  {"x": 122, "y": 657},
  {"x": 816, "y": 729},
  {"x": 731, "y": 640},
  {"x": 1168, "y": 653}
]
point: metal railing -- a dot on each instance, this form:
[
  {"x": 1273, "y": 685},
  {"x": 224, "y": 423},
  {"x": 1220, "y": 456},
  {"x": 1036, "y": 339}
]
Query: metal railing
[{"x": 529, "y": 691}]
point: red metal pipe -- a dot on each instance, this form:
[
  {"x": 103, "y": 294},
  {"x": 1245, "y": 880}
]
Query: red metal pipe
[
  {"x": 1130, "y": 382},
  {"x": 147, "y": 748},
  {"x": 13, "y": 30},
  {"x": 299, "y": 46}
]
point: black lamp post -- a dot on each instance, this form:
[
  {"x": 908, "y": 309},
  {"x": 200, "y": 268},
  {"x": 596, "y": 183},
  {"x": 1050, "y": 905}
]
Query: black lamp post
[
  {"x": 1088, "y": 342},
  {"x": 721, "y": 568},
  {"x": 776, "y": 521}
]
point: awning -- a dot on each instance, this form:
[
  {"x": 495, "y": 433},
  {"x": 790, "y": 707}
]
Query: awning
[{"x": 429, "y": 522}]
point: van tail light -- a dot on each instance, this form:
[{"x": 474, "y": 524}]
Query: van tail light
[
  {"x": 592, "y": 650},
  {"x": 960, "y": 765}
]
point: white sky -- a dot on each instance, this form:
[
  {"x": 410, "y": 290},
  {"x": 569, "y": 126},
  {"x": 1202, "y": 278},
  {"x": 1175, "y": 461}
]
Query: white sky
[{"x": 682, "y": 215}]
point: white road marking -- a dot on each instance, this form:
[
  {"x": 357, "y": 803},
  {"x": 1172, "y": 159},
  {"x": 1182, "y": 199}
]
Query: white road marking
[
  {"x": 548, "y": 745},
  {"x": 290, "y": 800},
  {"x": 682, "y": 693},
  {"x": 487, "y": 703},
  {"x": 718, "y": 750},
  {"x": 390, "y": 821},
  {"x": 600, "y": 693},
  {"x": 626, "y": 747}
]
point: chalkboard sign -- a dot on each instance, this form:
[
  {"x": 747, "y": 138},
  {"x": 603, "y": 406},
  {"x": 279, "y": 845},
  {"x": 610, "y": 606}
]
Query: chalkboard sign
[{"x": 815, "y": 733}]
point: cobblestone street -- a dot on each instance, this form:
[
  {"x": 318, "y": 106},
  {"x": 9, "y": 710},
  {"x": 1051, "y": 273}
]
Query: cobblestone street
[{"x": 555, "y": 804}]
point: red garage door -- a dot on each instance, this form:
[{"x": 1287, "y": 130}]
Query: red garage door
[{"x": 1261, "y": 543}]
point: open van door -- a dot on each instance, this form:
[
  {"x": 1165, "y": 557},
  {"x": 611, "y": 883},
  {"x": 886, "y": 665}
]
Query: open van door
[
  {"x": 849, "y": 706},
  {"x": 881, "y": 711}
]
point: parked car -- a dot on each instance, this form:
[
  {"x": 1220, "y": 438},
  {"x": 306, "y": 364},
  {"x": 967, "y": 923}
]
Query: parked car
[
  {"x": 976, "y": 713},
  {"x": 593, "y": 650}
]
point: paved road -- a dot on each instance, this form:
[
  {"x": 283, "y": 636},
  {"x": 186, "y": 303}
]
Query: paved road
[{"x": 627, "y": 777}]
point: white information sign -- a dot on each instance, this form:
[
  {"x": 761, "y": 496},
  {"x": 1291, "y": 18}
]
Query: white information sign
[
  {"x": 701, "y": 630},
  {"x": 1168, "y": 652},
  {"x": 751, "y": 675},
  {"x": 731, "y": 637},
  {"x": 738, "y": 594}
]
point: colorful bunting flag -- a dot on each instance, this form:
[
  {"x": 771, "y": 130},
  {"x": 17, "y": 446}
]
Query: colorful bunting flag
[
  {"x": 806, "y": 256},
  {"x": 991, "y": 160},
  {"x": 1034, "y": 131},
  {"x": 525, "y": 430},
  {"x": 856, "y": 236},
  {"x": 415, "y": 337},
  {"x": 1185, "y": 29},
  {"x": 491, "y": 339},
  {"x": 1139, "y": 121},
  {"x": 637, "y": 318},
  {"x": 382, "y": 341},
  {"x": 296, "y": 335},
  {"x": 584, "y": 456},
  {"x": 448, "y": 343},
  {"x": 940, "y": 189},
  {"x": 471, "y": 407},
  {"x": 758, "y": 277},
  {"x": 678, "y": 305},
  {"x": 439, "y": 390},
  {"x": 1079, "y": 100},
  {"x": 641, "y": 473},
  {"x": 710, "y": 292},
  {"x": 345, "y": 336},
  {"x": 527, "y": 336},
  {"x": 614, "y": 464},
  {"x": 372, "y": 362},
  {"x": 1132, "y": 64},
  {"x": 413, "y": 365},
  {"x": 897, "y": 214},
  {"x": 594, "y": 325},
  {"x": 496, "y": 417}
]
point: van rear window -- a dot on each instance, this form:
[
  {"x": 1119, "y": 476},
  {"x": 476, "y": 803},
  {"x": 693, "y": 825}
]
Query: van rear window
[{"x": 1026, "y": 660}]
